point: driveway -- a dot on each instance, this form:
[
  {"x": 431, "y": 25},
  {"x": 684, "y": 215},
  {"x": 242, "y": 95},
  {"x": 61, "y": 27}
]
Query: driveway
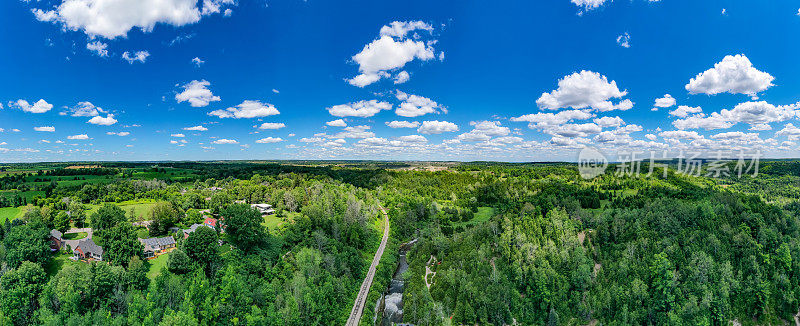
[{"x": 73, "y": 243}]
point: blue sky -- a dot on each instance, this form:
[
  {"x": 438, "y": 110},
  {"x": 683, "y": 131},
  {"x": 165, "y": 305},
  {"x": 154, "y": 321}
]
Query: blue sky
[{"x": 466, "y": 80}]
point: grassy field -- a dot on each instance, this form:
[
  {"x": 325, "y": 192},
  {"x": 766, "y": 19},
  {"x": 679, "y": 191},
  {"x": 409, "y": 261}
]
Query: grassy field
[
  {"x": 24, "y": 194},
  {"x": 483, "y": 215},
  {"x": 75, "y": 236},
  {"x": 140, "y": 208},
  {"x": 58, "y": 262},
  {"x": 273, "y": 222},
  {"x": 155, "y": 266},
  {"x": 11, "y": 213}
]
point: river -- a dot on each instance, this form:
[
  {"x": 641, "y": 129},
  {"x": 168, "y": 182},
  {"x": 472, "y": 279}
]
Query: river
[{"x": 390, "y": 305}]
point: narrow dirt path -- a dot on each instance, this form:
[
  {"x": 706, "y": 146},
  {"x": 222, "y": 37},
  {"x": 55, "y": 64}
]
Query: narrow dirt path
[{"x": 358, "y": 305}]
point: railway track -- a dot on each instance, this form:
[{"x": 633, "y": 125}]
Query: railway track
[{"x": 361, "y": 299}]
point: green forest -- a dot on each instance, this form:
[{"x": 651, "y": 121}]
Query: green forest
[{"x": 485, "y": 243}]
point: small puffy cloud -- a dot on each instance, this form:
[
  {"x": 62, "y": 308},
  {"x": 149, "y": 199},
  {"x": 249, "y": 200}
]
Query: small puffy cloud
[
  {"x": 196, "y": 128},
  {"x": 401, "y": 77},
  {"x": 354, "y": 132},
  {"x": 140, "y": 56},
  {"x": 414, "y": 106},
  {"x": 361, "y": 109},
  {"x": 402, "y": 124},
  {"x": 276, "y": 91},
  {"x": 269, "y": 140},
  {"x": 484, "y": 130},
  {"x": 78, "y": 137},
  {"x": 412, "y": 139},
  {"x": 684, "y": 111},
  {"x": 121, "y": 133},
  {"x": 392, "y": 51},
  {"x": 337, "y": 123},
  {"x": 543, "y": 121},
  {"x": 624, "y": 40},
  {"x": 224, "y": 141},
  {"x": 271, "y": 125},
  {"x": 437, "y": 127},
  {"x": 246, "y": 110},
  {"x": 700, "y": 120},
  {"x": 790, "y": 131},
  {"x": 681, "y": 134},
  {"x": 734, "y": 74},
  {"x": 585, "y": 89},
  {"x": 115, "y": 18},
  {"x": 107, "y": 121},
  {"x": 99, "y": 48},
  {"x": 665, "y": 102},
  {"x": 45, "y": 129},
  {"x": 84, "y": 109},
  {"x": 588, "y": 4},
  {"x": 607, "y": 122},
  {"x": 178, "y": 135},
  {"x": 401, "y": 29},
  {"x": 196, "y": 92},
  {"x": 197, "y": 61},
  {"x": 41, "y": 106},
  {"x": 576, "y": 130},
  {"x": 651, "y": 137}
]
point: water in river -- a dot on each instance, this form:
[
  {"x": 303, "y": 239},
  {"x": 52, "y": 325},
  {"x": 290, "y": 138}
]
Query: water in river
[{"x": 392, "y": 311}]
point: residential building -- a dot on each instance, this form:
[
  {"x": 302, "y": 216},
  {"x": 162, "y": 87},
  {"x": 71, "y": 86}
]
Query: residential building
[
  {"x": 56, "y": 240},
  {"x": 156, "y": 246},
  {"x": 88, "y": 250},
  {"x": 264, "y": 209}
]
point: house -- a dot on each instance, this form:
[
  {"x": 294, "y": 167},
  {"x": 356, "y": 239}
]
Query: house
[
  {"x": 157, "y": 246},
  {"x": 88, "y": 250},
  {"x": 191, "y": 229},
  {"x": 264, "y": 209},
  {"x": 56, "y": 240},
  {"x": 211, "y": 222}
]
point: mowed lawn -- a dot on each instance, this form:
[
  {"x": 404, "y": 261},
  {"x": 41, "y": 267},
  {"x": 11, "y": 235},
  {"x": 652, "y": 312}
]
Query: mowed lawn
[
  {"x": 11, "y": 213},
  {"x": 273, "y": 222},
  {"x": 75, "y": 236},
  {"x": 140, "y": 208},
  {"x": 156, "y": 265},
  {"x": 58, "y": 262}
]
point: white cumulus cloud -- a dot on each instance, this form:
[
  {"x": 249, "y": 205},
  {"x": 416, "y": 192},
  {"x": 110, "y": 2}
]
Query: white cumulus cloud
[
  {"x": 272, "y": 125},
  {"x": 337, "y": 123},
  {"x": 437, "y": 127},
  {"x": 41, "y": 106},
  {"x": 224, "y": 141},
  {"x": 391, "y": 52},
  {"x": 45, "y": 129},
  {"x": 402, "y": 124},
  {"x": 196, "y": 128},
  {"x": 665, "y": 102},
  {"x": 107, "y": 121},
  {"x": 585, "y": 89},
  {"x": 115, "y": 18},
  {"x": 361, "y": 109},
  {"x": 414, "y": 105},
  {"x": 196, "y": 92},
  {"x": 269, "y": 140},
  {"x": 734, "y": 74},
  {"x": 246, "y": 110},
  {"x": 99, "y": 48},
  {"x": 140, "y": 56}
]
